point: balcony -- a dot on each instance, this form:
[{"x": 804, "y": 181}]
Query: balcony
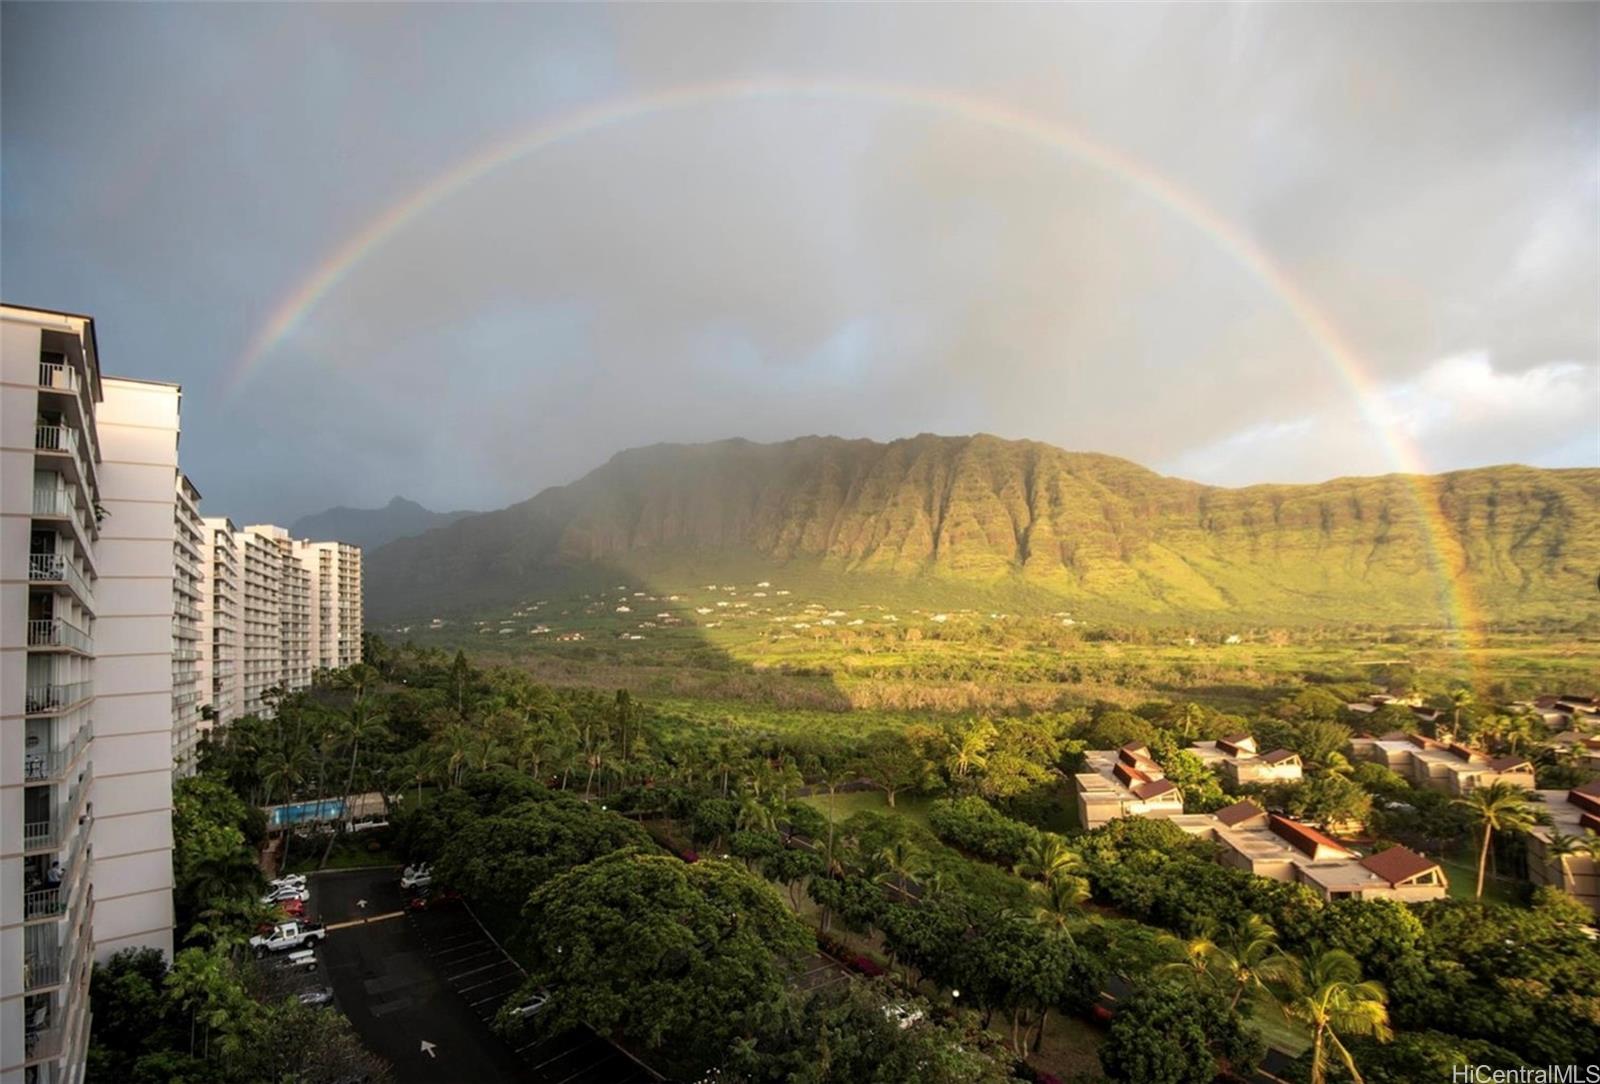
[
  {"x": 63, "y": 440},
  {"x": 58, "y": 568},
  {"x": 54, "y": 699},
  {"x": 49, "y": 767},
  {"x": 56, "y": 501},
  {"x": 44, "y": 903},
  {"x": 43, "y": 967},
  {"x": 44, "y": 1042},
  {"x": 54, "y": 632},
  {"x": 57, "y": 377},
  {"x": 48, "y": 834}
]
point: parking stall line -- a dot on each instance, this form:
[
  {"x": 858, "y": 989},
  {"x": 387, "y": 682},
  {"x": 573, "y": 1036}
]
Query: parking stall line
[
  {"x": 485, "y": 982},
  {"x": 474, "y": 971},
  {"x": 472, "y": 963}
]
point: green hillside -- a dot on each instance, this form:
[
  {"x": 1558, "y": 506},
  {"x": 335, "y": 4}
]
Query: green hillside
[{"x": 988, "y": 522}]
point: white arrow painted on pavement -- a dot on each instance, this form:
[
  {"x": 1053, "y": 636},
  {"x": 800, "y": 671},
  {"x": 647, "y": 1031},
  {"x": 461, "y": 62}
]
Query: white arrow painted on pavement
[
  {"x": 361, "y": 904},
  {"x": 427, "y": 1048}
]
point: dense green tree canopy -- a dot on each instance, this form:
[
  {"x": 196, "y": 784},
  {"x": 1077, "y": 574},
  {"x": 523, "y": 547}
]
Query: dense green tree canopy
[{"x": 684, "y": 958}]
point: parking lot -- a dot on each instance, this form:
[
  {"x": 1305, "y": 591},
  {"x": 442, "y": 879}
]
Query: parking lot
[{"x": 421, "y": 989}]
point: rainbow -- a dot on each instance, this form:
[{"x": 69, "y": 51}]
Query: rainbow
[{"x": 1051, "y": 135}]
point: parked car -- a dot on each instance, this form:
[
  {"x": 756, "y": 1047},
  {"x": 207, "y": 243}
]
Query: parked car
[
  {"x": 288, "y": 935},
  {"x": 293, "y": 908},
  {"x": 301, "y": 960},
  {"x": 291, "y": 880},
  {"x": 903, "y": 1016},
  {"x": 417, "y": 876},
  {"x": 321, "y": 996},
  {"x": 532, "y": 1006},
  {"x": 287, "y": 892}
]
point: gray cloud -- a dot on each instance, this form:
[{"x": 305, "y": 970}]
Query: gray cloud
[{"x": 1426, "y": 174}]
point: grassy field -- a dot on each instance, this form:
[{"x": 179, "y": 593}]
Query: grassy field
[
  {"x": 912, "y": 808},
  {"x": 828, "y": 646},
  {"x": 1463, "y": 875}
]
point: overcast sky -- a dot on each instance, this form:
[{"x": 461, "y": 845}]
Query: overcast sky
[{"x": 1423, "y": 177}]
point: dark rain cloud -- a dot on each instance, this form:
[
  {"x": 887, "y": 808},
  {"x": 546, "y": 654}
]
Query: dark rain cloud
[{"x": 1425, "y": 174}]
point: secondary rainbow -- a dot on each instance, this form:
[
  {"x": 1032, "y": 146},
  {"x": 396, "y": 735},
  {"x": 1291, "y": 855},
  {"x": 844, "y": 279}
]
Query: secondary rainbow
[{"x": 1065, "y": 140}]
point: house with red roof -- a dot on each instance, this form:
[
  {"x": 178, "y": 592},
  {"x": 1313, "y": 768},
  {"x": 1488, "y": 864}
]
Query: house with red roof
[
  {"x": 1237, "y": 759},
  {"x": 1124, "y": 782},
  {"x": 1283, "y": 849}
]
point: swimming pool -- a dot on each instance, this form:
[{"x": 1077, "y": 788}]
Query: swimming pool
[{"x": 329, "y": 809}]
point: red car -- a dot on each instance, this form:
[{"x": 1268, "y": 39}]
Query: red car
[{"x": 293, "y": 908}]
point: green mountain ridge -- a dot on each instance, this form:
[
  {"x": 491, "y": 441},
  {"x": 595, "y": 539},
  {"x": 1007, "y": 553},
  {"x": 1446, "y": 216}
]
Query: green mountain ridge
[
  {"x": 370, "y": 528},
  {"x": 1514, "y": 543}
]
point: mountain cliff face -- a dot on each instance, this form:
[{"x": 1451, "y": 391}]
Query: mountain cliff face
[
  {"x": 370, "y": 528},
  {"x": 1101, "y": 531}
]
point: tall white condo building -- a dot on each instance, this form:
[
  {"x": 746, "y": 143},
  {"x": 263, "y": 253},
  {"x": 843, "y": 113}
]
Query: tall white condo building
[{"x": 129, "y": 626}]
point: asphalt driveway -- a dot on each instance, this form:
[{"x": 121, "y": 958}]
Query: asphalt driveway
[
  {"x": 435, "y": 977},
  {"x": 394, "y": 996}
]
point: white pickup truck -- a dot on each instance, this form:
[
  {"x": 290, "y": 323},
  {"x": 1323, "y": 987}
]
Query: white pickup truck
[{"x": 288, "y": 935}]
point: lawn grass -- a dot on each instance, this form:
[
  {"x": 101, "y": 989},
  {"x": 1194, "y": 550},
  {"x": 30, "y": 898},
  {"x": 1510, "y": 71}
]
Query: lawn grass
[
  {"x": 1463, "y": 876},
  {"x": 911, "y": 807}
]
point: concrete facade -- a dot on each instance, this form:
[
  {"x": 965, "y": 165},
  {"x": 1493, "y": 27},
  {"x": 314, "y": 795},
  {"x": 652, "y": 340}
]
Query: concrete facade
[
  {"x": 124, "y": 615},
  {"x": 139, "y": 624},
  {"x": 50, "y": 602},
  {"x": 1236, "y": 758},
  {"x": 221, "y": 617},
  {"x": 1281, "y": 849},
  {"x": 1574, "y": 813},
  {"x": 1443, "y": 766}
]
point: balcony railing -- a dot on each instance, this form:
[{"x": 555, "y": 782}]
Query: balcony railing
[
  {"x": 44, "y": 1042},
  {"x": 45, "y": 767},
  {"x": 45, "y": 902},
  {"x": 45, "y": 567},
  {"x": 48, "y": 834},
  {"x": 52, "y": 698},
  {"x": 56, "y": 500},
  {"x": 59, "y": 377},
  {"x": 54, "y": 632},
  {"x": 56, "y": 438},
  {"x": 184, "y": 654},
  {"x": 43, "y": 967}
]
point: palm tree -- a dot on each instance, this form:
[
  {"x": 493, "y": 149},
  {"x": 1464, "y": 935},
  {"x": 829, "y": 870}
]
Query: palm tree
[
  {"x": 456, "y": 743},
  {"x": 419, "y": 765},
  {"x": 1192, "y": 959},
  {"x": 1046, "y": 858},
  {"x": 1498, "y": 807},
  {"x": 360, "y": 727},
  {"x": 1459, "y": 698},
  {"x": 1059, "y": 901},
  {"x": 1328, "y": 996},
  {"x": 725, "y": 759},
  {"x": 899, "y": 861},
  {"x": 1245, "y": 960},
  {"x": 969, "y": 748},
  {"x": 755, "y": 815},
  {"x": 285, "y": 768}
]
